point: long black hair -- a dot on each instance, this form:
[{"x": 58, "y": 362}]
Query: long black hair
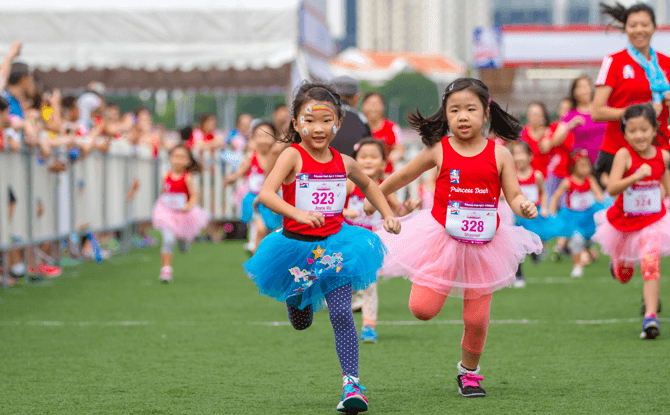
[
  {"x": 310, "y": 91},
  {"x": 620, "y": 13},
  {"x": 193, "y": 166},
  {"x": 639, "y": 110},
  {"x": 433, "y": 128}
]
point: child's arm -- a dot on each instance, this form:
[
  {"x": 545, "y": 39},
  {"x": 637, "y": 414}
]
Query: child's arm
[
  {"x": 562, "y": 188},
  {"x": 242, "y": 169},
  {"x": 372, "y": 193},
  {"x": 595, "y": 188},
  {"x": 350, "y": 213},
  {"x": 394, "y": 203},
  {"x": 285, "y": 167},
  {"x": 622, "y": 162},
  {"x": 510, "y": 185},
  {"x": 193, "y": 191},
  {"x": 425, "y": 160},
  {"x": 665, "y": 180},
  {"x": 539, "y": 181}
]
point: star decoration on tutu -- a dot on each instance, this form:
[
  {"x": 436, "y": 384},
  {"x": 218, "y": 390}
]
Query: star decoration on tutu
[{"x": 318, "y": 252}]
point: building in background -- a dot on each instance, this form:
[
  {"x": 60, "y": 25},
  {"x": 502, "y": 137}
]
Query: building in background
[
  {"x": 350, "y": 26},
  {"x": 439, "y": 27},
  {"x": 562, "y": 12}
]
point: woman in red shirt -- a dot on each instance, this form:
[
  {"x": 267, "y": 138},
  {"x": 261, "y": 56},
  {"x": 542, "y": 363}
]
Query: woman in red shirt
[
  {"x": 635, "y": 75},
  {"x": 537, "y": 129},
  {"x": 384, "y": 129}
]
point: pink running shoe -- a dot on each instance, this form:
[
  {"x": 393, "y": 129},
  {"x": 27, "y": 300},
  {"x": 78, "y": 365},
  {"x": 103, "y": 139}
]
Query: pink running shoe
[
  {"x": 166, "y": 274},
  {"x": 353, "y": 400},
  {"x": 469, "y": 386}
]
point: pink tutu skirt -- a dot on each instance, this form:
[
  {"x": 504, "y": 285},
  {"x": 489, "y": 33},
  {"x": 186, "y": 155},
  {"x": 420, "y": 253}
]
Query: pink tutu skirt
[
  {"x": 185, "y": 225},
  {"x": 424, "y": 252},
  {"x": 631, "y": 246},
  {"x": 505, "y": 213}
]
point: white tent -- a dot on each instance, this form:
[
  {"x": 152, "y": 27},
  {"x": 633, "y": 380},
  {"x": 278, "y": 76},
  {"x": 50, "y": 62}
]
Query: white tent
[{"x": 250, "y": 44}]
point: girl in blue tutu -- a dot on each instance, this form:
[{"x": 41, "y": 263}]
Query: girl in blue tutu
[
  {"x": 584, "y": 199},
  {"x": 315, "y": 256}
]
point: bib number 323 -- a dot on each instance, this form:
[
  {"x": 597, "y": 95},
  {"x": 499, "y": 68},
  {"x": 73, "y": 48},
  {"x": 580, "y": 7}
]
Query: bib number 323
[
  {"x": 473, "y": 223},
  {"x": 321, "y": 192}
]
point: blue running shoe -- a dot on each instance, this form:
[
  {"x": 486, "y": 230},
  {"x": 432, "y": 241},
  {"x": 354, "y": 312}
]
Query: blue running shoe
[
  {"x": 353, "y": 400},
  {"x": 651, "y": 329},
  {"x": 368, "y": 334}
]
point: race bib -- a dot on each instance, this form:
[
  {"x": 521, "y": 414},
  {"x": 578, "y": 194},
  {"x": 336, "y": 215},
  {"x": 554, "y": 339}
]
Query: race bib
[
  {"x": 321, "y": 192},
  {"x": 255, "y": 182},
  {"x": 531, "y": 192},
  {"x": 356, "y": 204},
  {"x": 472, "y": 223},
  {"x": 175, "y": 201},
  {"x": 642, "y": 200},
  {"x": 582, "y": 200}
]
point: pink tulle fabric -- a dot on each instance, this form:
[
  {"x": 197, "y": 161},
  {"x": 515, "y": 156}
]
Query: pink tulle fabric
[
  {"x": 185, "y": 225},
  {"x": 238, "y": 196},
  {"x": 428, "y": 256},
  {"x": 505, "y": 213},
  {"x": 632, "y": 246}
]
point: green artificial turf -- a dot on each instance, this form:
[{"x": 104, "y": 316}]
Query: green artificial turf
[{"x": 110, "y": 339}]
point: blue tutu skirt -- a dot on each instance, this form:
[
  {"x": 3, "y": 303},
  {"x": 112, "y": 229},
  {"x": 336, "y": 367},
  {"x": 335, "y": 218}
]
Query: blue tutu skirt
[
  {"x": 568, "y": 221},
  {"x": 272, "y": 220},
  {"x": 543, "y": 227},
  {"x": 301, "y": 273}
]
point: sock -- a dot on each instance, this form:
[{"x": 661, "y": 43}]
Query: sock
[
  {"x": 463, "y": 371},
  {"x": 650, "y": 315}
]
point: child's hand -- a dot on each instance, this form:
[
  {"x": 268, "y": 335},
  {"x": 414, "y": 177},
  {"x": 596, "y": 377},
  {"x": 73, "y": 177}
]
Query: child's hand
[
  {"x": 310, "y": 218},
  {"x": 368, "y": 208},
  {"x": 186, "y": 208},
  {"x": 349, "y": 213},
  {"x": 658, "y": 107},
  {"x": 544, "y": 212},
  {"x": 411, "y": 205},
  {"x": 529, "y": 209},
  {"x": 643, "y": 171},
  {"x": 392, "y": 225}
]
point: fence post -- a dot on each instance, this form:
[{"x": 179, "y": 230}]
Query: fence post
[{"x": 31, "y": 254}]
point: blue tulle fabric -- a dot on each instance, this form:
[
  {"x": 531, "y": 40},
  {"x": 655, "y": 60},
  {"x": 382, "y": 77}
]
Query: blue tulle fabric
[
  {"x": 302, "y": 273},
  {"x": 272, "y": 220},
  {"x": 568, "y": 222},
  {"x": 545, "y": 228}
]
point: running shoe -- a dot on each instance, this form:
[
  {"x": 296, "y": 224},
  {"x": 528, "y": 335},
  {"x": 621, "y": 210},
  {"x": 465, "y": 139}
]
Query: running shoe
[
  {"x": 520, "y": 282},
  {"x": 49, "y": 271},
  {"x": 651, "y": 329},
  {"x": 150, "y": 240},
  {"x": 469, "y": 386},
  {"x": 368, "y": 334},
  {"x": 353, "y": 400},
  {"x": 166, "y": 275},
  {"x": 138, "y": 242},
  {"x": 577, "y": 271}
]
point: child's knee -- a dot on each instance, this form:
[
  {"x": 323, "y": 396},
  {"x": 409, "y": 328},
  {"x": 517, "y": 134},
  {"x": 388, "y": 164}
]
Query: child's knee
[{"x": 423, "y": 311}]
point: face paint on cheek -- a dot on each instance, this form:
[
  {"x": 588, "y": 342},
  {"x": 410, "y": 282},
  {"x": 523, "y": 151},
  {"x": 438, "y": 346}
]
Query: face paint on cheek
[
  {"x": 305, "y": 131},
  {"x": 334, "y": 129},
  {"x": 302, "y": 119}
]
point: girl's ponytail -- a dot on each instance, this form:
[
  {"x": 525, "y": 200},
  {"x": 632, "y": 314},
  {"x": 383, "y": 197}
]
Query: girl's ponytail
[
  {"x": 431, "y": 129},
  {"x": 503, "y": 124}
]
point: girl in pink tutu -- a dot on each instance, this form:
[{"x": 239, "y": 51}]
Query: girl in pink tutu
[
  {"x": 460, "y": 248},
  {"x": 636, "y": 229},
  {"x": 176, "y": 213}
]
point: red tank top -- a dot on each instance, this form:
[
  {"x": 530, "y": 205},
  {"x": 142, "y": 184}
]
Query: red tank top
[
  {"x": 324, "y": 187},
  {"x": 355, "y": 202},
  {"x": 255, "y": 176},
  {"x": 466, "y": 179},
  {"x": 540, "y": 161},
  {"x": 529, "y": 187},
  {"x": 171, "y": 185},
  {"x": 2, "y": 139},
  {"x": 387, "y": 135},
  {"x": 639, "y": 196},
  {"x": 580, "y": 196}
]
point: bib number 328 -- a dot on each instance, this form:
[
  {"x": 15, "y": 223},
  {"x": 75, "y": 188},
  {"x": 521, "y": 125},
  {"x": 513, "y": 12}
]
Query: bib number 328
[{"x": 472, "y": 223}]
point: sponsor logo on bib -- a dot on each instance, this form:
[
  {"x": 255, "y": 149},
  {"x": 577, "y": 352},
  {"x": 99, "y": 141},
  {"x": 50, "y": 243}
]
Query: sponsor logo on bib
[
  {"x": 304, "y": 177},
  {"x": 323, "y": 187},
  {"x": 304, "y": 185}
]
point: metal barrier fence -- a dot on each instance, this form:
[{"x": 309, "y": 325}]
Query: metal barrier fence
[{"x": 90, "y": 197}]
